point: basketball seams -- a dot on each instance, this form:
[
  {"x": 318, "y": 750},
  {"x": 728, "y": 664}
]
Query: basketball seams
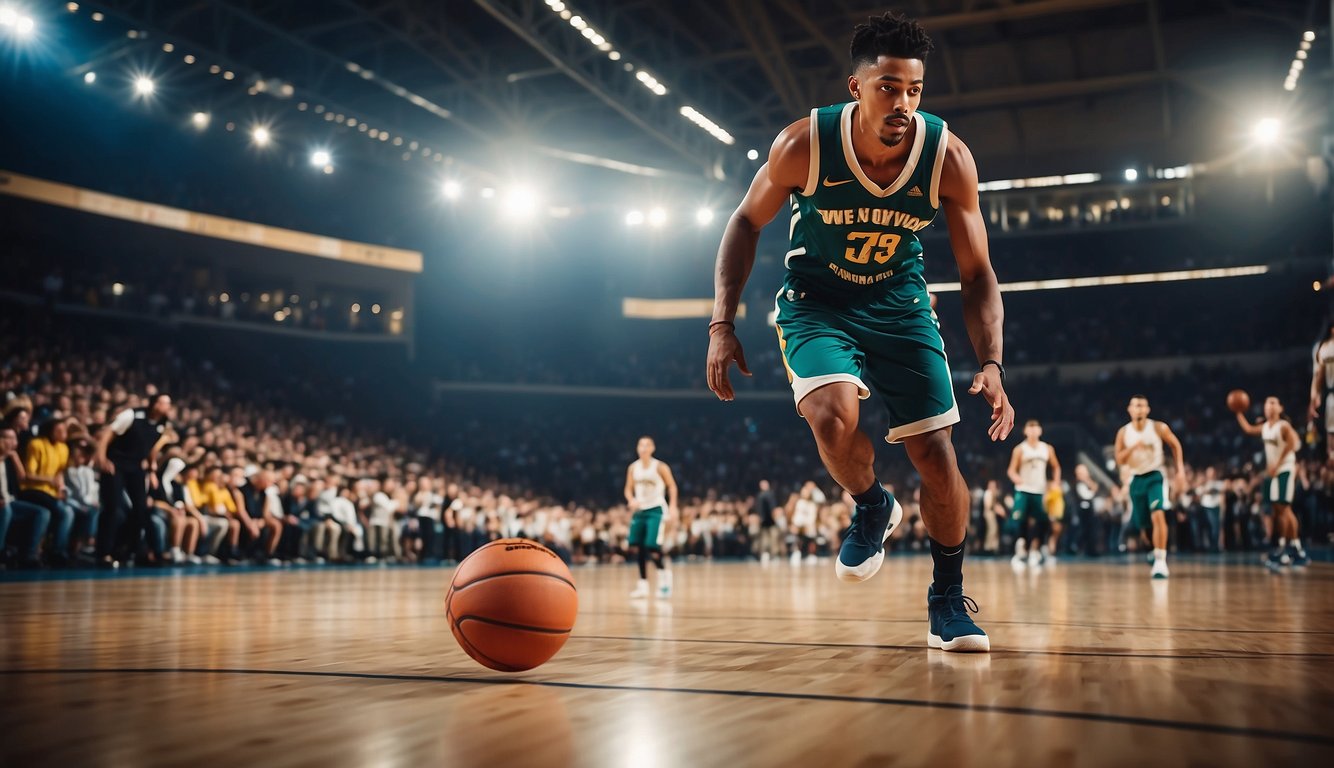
[
  {"x": 473, "y": 651},
  {"x": 558, "y": 577},
  {"x": 458, "y": 620}
]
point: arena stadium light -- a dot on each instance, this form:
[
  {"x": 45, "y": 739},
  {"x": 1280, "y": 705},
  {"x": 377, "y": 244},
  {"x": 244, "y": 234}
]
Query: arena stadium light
[
  {"x": 260, "y": 136},
  {"x": 521, "y": 202},
  {"x": 657, "y": 217},
  {"x": 320, "y": 158},
  {"x": 200, "y": 120},
  {"x": 1131, "y": 174},
  {"x": 451, "y": 189},
  {"x": 704, "y": 217},
  {"x": 144, "y": 86},
  {"x": 634, "y": 218},
  {"x": 1267, "y": 130},
  {"x": 753, "y": 154},
  {"x": 22, "y": 25},
  {"x": 90, "y": 77}
]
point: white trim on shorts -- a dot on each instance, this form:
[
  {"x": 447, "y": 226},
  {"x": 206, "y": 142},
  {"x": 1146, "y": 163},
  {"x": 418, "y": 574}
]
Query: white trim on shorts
[
  {"x": 802, "y": 387},
  {"x": 1289, "y": 493},
  {"x": 921, "y": 427}
]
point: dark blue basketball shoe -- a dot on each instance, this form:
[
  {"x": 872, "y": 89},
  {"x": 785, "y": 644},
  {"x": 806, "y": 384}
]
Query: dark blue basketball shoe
[
  {"x": 863, "y": 548},
  {"x": 952, "y": 629}
]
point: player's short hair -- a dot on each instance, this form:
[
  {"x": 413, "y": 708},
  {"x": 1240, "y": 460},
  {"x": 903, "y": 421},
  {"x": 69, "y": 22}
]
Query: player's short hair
[
  {"x": 1140, "y": 397},
  {"x": 1032, "y": 423},
  {"x": 889, "y": 34}
]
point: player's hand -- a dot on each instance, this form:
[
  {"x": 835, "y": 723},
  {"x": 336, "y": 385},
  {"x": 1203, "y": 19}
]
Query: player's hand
[
  {"x": 1313, "y": 410},
  {"x": 988, "y": 383},
  {"x": 724, "y": 348},
  {"x": 1271, "y": 472}
]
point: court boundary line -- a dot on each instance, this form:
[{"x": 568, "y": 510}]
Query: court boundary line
[
  {"x": 1147, "y": 722},
  {"x": 1190, "y": 655}
]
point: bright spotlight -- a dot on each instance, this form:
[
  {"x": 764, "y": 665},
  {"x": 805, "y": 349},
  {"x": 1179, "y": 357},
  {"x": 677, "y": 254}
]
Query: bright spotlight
[
  {"x": 1131, "y": 174},
  {"x": 657, "y": 217},
  {"x": 704, "y": 216},
  {"x": 90, "y": 77},
  {"x": 24, "y": 26},
  {"x": 451, "y": 189},
  {"x": 143, "y": 86},
  {"x": 261, "y": 136},
  {"x": 753, "y": 154},
  {"x": 634, "y": 218},
  {"x": 199, "y": 120},
  {"x": 521, "y": 202},
  {"x": 8, "y": 16},
  {"x": 320, "y": 158},
  {"x": 1266, "y": 131},
  {"x": 1308, "y": 36}
]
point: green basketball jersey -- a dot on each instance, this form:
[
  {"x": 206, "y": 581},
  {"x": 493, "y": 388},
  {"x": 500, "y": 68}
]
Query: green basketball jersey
[{"x": 847, "y": 232}]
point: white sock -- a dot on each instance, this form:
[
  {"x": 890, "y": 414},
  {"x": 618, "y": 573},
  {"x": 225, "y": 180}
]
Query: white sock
[
  {"x": 664, "y": 578},
  {"x": 1160, "y": 554},
  {"x": 1282, "y": 542},
  {"x": 1020, "y": 547}
]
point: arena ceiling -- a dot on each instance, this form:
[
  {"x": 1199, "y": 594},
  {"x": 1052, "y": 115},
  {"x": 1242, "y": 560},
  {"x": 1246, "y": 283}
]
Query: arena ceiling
[{"x": 1034, "y": 86}]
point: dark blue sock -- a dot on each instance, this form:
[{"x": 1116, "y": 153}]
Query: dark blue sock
[
  {"x": 948, "y": 561},
  {"x": 871, "y": 496}
]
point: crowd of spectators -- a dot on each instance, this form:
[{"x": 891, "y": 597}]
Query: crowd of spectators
[{"x": 246, "y": 473}]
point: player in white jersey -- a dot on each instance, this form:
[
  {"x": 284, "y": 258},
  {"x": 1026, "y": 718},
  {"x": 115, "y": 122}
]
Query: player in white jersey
[
  {"x": 1322, "y": 389},
  {"x": 650, "y": 490},
  {"x": 1139, "y": 448},
  {"x": 805, "y": 519},
  {"x": 1281, "y": 444},
  {"x": 1028, "y": 471}
]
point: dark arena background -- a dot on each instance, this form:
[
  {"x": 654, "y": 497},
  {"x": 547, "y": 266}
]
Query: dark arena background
[{"x": 418, "y": 276}]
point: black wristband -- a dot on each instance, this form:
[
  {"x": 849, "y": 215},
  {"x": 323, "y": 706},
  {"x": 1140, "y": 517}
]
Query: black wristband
[
  {"x": 727, "y": 323},
  {"x": 998, "y": 365}
]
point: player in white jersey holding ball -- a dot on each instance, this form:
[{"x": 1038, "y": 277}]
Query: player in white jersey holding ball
[
  {"x": 1281, "y": 443},
  {"x": 1028, "y": 471},
  {"x": 650, "y": 490},
  {"x": 1139, "y": 448}
]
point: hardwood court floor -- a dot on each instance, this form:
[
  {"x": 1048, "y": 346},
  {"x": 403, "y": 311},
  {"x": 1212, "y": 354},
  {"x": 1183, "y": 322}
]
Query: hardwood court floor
[{"x": 1093, "y": 664}]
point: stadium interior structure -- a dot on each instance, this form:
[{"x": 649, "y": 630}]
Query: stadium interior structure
[{"x": 382, "y": 240}]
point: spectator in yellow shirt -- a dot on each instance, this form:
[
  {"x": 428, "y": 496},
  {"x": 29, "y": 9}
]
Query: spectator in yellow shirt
[{"x": 45, "y": 460}]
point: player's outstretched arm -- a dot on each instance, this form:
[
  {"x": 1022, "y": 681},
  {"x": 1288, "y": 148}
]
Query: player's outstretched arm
[
  {"x": 788, "y": 166},
  {"x": 1251, "y": 429},
  {"x": 983, "y": 312}
]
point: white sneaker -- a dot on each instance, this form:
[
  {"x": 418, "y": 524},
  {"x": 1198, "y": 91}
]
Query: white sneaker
[
  {"x": 211, "y": 560},
  {"x": 641, "y": 590},
  {"x": 1034, "y": 559},
  {"x": 795, "y": 557},
  {"x": 812, "y": 559},
  {"x": 764, "y": 558},
  {"x": 665, "y": 585},
  {"x": 1159, "y": 569},
  {"x": 194, "y": 559},
  {"x": 1018, "y": 560},
  {"x": 371, "y": 560}
]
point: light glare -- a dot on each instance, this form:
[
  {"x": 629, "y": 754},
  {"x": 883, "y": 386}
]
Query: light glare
[
  {"x": 1266, "y": 131},
  {"x": 320, "y": 158},
  {"x": 261, "y": 136},
  {"x": 143, "y": 85}
]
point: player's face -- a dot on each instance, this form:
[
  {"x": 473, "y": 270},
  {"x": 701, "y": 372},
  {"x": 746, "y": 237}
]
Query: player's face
[
  {"x": 1273, "y": 409},
  {"x": 888, "y": 92},
  {"x": 1139, "y": 409},
  {"x": 1033, "y": 431},
  {"x": 645, "y": 447}
]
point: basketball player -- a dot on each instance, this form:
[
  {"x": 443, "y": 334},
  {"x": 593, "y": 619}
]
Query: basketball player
[
  {"x": 1281, "y": 444},
  {"x": 1139, "y": 448},
  {"x": 1028, "y": 471},
  {"x": 1322, "y": 389},
  {"x": 645, "y": 483},
  {"x": 805, "y": 519},
  {"x": 853, "y": 313}
]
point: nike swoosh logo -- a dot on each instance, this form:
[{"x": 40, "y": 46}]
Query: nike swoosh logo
[{"x": 829, "y": 183}]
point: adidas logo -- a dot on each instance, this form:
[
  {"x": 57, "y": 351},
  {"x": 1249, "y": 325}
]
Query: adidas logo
[{"x": 915, "y": 192}]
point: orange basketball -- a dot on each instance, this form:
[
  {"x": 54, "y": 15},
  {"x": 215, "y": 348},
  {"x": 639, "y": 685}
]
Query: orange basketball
[
  {"x": 1238, "y": 401},
  {"x": 511, "y": 604}
]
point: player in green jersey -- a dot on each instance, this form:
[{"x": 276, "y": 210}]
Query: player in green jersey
[{"x": 853, "y": 313}]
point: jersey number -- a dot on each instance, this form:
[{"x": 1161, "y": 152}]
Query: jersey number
[{"x": 873, "y": 244}]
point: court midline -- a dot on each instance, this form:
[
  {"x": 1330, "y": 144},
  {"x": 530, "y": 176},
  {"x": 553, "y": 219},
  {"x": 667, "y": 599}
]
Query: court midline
[
  {"x": 1189, "y": 655},
  {"x": 1180, "y": 725},
  {"x": 1136, "y": 627}
]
